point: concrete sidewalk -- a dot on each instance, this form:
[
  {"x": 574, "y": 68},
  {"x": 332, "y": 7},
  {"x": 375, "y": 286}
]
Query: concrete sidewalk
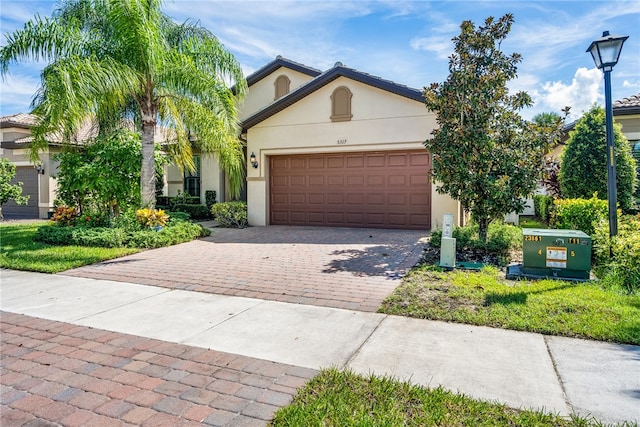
[{"x": 519, "y": 369}]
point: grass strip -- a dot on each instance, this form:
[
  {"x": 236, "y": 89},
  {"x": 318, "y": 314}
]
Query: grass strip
[
  {"x": 343, "y": 398},
  {"x": 583, "y": 310},
  {"x": 18, "y": 251}
]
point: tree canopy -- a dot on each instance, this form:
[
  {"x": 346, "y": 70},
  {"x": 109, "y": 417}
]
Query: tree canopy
[
  {"x": 583, "y": 170},
  {"x": 111, "y": 60},
  {"x": 484, "y": 153}
]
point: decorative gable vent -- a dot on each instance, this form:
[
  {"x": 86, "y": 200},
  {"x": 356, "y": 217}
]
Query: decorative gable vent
[{"x": 341, "y": 104}]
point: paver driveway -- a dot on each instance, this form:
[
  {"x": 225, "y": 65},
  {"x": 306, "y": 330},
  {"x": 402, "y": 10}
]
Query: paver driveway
[{"x": 334, "y": 267}]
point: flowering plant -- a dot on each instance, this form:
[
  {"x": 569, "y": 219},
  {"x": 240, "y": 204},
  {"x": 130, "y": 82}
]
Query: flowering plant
[
  {"x": 65, "y": 215},
  {"x": 151, "y": 217}
]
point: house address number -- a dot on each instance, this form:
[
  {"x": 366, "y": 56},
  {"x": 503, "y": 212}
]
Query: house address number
[{"x": 342, "y": 141}]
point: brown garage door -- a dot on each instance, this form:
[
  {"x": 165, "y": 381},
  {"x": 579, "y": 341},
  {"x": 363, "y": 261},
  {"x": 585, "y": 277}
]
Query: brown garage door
[
  {"x": 29, "y": 178},
  {"x": 373, "y": 189}
]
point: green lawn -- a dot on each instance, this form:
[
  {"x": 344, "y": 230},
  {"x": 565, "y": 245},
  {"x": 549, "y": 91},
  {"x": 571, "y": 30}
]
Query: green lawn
[
  {"x": 583, "y": 310},
  {"x": 342, "y": 398},
  {"x": 20, "y": 252}
]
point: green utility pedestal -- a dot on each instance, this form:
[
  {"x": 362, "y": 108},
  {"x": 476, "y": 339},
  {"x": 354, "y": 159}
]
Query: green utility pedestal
[{"x": 556, "y": 253}]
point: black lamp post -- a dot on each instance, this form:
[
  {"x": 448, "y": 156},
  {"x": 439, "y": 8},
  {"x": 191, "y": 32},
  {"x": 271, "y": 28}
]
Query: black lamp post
[{"x": 605, "y": 52}]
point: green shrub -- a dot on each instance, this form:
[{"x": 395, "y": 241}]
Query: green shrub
[
  {"x": 619, "y": 265},
  {"x": 542, "y": 205},
  {"x": 579, "y": 214},
  {"x": 178, "y": 217},
  {"x": 501, "y": 238},
  {"x": 230, "y": 214},
  {"x": 210, "y": 198},
  {"x": 194, "y": 211},
  {"x": 101, "y": 237},
  {"x": 176, "y": 231}
]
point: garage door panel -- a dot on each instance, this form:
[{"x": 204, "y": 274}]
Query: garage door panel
[
  {"x": 335, "y": 162},
  {"x": 376, "y": 161},
  {"x": 355, "y": 199},
  {"x": 421, "y": 159},
  {"x": 375, "y": 199},
  {"x": 316, "y": 199},
  {"x": 335, "y": 180},
  {"x": 353, "y": 180},
  {"x": 397, "y": 199},
  {"x": 397, "y": 160},
  {"x": 397, "y": 219},
  {"x": 355, "y": 161},
  {"x": 297, "y": 181},
  {"x": 335, "y": 199},
  {"x": 381, "y": 189},
  {"x": 316, "y": 162},
  {"x": 316, "y": 181},
  {"x": 335, "y": 218},
  {"x": 28, "y": 176},
  {"x": 397, "y": 180},
  {"x": 375, "y": 180}
]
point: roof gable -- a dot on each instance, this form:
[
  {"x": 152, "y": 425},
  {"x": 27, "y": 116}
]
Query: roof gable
[
  {"x": 322, "y": 80},
  {"x": 278, "y": 63}
]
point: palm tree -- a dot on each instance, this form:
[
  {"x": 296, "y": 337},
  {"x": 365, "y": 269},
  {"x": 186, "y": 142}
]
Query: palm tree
[{"x": 115, "y": 60}]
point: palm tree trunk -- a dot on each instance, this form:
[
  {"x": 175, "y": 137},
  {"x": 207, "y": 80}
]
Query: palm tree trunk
[{"x": 147, "y": 170}]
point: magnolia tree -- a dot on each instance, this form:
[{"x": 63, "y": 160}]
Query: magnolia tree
[{"x": 484, "y": 154}]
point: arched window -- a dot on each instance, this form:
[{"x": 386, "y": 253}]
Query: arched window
[
  {"x": 341, "y": 104},
  {"x": 282, "y": 86}
]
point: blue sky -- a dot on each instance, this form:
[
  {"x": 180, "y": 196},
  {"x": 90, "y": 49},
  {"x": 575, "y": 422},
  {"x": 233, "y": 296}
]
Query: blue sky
[{"x": 404, "y": 41}]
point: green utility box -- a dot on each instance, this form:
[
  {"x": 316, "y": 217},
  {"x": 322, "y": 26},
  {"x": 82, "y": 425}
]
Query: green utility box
[{"x": 556, "y": 253}]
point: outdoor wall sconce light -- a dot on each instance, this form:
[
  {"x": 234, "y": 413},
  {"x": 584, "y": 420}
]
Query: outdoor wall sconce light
[
  {"x": 253, "y": 160},
  {"x": 39, "y": 168},
  {"x": 605, "y": 52}
]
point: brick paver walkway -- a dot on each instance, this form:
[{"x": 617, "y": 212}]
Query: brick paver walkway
[
  {"x": 333, "y": 267},
  {"x": 54, "y": 373}
]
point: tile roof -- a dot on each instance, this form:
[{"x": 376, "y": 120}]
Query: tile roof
[
  {"x": 18, "y": 120},
  {"x": 628, "y": 105},
  {"x": 88, "y": 130},
  {"x": 281, "y": 62},
  {"x": 338, "y": 70}
]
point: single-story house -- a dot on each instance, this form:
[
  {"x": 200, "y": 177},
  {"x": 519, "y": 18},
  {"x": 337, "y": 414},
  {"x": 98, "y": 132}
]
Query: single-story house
[{"x": 338, "y": 148}]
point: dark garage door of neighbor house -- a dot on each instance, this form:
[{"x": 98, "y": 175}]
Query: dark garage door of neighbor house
[
  {"x": 29, "y": 178},
  {"x": 374, "y": 189}
]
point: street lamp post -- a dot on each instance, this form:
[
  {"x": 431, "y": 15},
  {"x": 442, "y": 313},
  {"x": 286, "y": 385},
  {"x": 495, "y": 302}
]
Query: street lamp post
[{"x": 605, "y": 52}]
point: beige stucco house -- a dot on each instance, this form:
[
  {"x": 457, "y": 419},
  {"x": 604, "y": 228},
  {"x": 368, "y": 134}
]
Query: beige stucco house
[{"x": 338, "y": 148}]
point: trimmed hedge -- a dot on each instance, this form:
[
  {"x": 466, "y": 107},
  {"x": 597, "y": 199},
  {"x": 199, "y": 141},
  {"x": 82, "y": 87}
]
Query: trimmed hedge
[
  {"x": 194, "y": 211},
  {"x": 579, "y": 214},
  {"x": 543, "y": 206}
]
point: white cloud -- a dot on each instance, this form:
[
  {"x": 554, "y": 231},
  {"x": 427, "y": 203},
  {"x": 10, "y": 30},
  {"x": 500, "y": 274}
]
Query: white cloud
[
  {"x": 630, "y": 83},
  {"x": 440, "y": 45},
  {"x": 584, "y": 90},
  {"x": 17, "y": 92}
]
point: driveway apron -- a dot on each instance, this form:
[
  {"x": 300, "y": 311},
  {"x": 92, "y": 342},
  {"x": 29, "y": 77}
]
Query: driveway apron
[{"x": 332, "y": 267}]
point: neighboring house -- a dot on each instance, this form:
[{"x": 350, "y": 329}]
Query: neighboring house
[
  {"x": 36, "y": 179},
  {"x": 626, "y": 111}
]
